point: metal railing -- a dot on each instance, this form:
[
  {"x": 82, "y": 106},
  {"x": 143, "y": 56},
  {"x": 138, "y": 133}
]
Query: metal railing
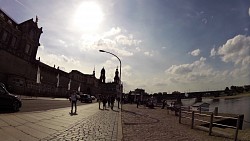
[{"x": 187, "y": 111}]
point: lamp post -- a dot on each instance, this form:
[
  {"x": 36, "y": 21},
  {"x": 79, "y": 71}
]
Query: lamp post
[{"x": 120, "y": 71}]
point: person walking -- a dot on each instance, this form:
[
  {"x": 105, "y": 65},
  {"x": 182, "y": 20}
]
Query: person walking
[
  {"x": 73, "y": 100},
  {"x": 109, "y": 98},
  {"x": 99, "y": 100},
  {"x": 112, "y": 101},
  {"x": 118, "y": 102},
  {"x": 104, "y": 101},
  {"x": 138, "y": 102},
  {"x": 163, "y": 103}
]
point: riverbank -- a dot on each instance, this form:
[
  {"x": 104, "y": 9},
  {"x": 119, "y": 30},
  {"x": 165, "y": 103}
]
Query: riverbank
[{"x": 246, "y": 94}]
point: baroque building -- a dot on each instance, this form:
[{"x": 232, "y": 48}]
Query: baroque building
[{"x": 23, "y": 74}]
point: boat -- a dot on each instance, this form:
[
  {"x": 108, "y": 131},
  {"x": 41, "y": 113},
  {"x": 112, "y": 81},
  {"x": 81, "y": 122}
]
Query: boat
[{"x": 200, "y": 106}]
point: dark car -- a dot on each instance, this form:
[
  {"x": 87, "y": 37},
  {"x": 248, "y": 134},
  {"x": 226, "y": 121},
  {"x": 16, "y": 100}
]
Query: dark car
[
  {"x": 8, "y": 100},
  {"x": 86, "y": 98}
]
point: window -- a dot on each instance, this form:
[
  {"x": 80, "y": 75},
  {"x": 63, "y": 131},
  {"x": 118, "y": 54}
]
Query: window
[
  {"x": 4, "y": 36},
  {"x": 1, "y": 15},
  {"x": 27, "y": 49},
  {"x": 10, "y": 22},
  {"x": 13, "y": 41}
]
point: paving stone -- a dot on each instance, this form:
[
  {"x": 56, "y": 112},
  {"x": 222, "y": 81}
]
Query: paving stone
[{"x": 100, "y": 126}]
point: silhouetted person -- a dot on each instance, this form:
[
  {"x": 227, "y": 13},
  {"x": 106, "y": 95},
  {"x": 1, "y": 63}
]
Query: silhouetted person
[
  {"x": 99, "y": 100},
  {"x": 108, "y": 101},
  {"x": 163, "y": 103},
  {"x": 104, "y": 102},
  {"x": 118, "y": 101},
  {"x": 73, "y": 100},
  {"x": 138, "y": 102},
  {"x": 112, "y": 101}
]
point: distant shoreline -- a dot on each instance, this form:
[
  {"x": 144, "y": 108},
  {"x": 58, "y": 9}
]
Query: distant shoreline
[{"x": 233, "y": 96}]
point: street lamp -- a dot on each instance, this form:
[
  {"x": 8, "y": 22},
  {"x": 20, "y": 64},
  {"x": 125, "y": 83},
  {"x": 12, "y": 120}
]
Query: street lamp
[{"x": 120, "y": 70}]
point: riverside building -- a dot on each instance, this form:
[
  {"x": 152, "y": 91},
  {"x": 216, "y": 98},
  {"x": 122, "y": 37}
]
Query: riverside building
[{"x": 23, "y": 74}]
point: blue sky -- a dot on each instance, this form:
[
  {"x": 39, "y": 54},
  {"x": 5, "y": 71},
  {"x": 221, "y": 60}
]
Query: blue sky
[{"x": 164, "y": 45}]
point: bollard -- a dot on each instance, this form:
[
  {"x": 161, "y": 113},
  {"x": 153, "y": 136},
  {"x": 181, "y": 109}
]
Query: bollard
[
  {"x": 216, "y": 111},
  {"x": 237, "y": 128},
  {"x": 211, "y": 124},
  {"x": 180, "y": 115},
  {"x": 192, "y": 121}
]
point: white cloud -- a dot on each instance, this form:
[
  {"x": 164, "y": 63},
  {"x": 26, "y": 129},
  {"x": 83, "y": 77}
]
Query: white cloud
[
  {"x": 112, "y": 32},
  {"x": 236, "y": 50},
  {"x": 59, "y": 60},
  {"x": 148, "y": 54},
  {"x": 212, "y": 52},
  {"x": 138, "y": 49},
  {"x": 195, "y": 52},
  {"x": 62, "y": 43},
  {"x": 127, "y": 40},
  {"x": 198, "y": 71},
  {"x": 116, "y": 40}
]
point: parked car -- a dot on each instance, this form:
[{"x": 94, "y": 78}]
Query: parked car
[
  {"x": 8, "y": 100},
  {"x": 93, "y": 97},
  {"x": 85, "y": 98}
]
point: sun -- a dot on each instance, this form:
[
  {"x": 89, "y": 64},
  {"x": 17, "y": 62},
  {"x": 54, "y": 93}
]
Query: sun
[{"x": 88, "y": 16}]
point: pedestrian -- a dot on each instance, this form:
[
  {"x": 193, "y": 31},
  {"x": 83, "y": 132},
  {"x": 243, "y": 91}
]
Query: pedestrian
[
  {"x": 118, "y": 101},
  {"x": 163, "y": 103},
  {"x": 99, "y": 100},
  {"x": 138, "y": 102},
  {"x": 104, "y": 101},
  {"x": 109, "y": 98},
  {"x": 73, "y": 100},
  {"x": 112, "y": 101}
]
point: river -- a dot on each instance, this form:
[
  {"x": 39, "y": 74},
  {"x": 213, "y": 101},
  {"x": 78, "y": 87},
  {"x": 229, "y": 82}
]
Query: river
[{"x": 233, "y": 106}]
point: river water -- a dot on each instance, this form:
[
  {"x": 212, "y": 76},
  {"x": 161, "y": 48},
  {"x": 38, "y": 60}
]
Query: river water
[{"x": 233, "y": 106}]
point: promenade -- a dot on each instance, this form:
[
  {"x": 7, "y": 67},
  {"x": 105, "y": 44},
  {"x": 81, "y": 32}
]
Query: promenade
[
  {"x": 92, "y": 124},
  {"x": 89, "y": 124},
  {"x": 144, "y": 124}
]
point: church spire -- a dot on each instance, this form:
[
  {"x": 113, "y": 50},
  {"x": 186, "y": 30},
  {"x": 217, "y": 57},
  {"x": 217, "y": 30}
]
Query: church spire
[
  {"x": 94, "y": 72},
  {"x": 116, "y": 78}
]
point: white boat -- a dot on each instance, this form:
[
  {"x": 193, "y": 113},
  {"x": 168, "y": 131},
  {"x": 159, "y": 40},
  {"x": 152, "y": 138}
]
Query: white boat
[{"x": 200, "y": 106}]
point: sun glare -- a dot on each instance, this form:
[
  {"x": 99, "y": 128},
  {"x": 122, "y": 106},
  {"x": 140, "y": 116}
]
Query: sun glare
[{"x": 88, "y": 16}]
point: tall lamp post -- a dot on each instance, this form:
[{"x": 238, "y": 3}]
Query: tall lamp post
[{"x": 120, "y": 71}]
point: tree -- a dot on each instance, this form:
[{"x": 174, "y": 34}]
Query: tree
[
  {"x": 227, "y": 91},
  {"x": 177, "y": 96}
]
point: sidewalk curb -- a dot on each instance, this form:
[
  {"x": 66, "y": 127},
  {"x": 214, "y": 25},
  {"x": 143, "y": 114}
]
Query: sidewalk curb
[{"x": 119, "y": 132}]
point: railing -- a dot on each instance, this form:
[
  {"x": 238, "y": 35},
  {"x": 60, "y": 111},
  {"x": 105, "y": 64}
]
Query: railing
[{"x": 211, "y": 122}]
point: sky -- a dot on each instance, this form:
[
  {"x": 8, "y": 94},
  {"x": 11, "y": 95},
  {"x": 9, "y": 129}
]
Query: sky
[{"x": 163, "y": 45}]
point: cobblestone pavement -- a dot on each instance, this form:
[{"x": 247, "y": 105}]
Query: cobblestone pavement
[
  {"x": 143, "y": 124},
  {"x": 89, "y": 124},
  {"x": 102, "y": 126}
]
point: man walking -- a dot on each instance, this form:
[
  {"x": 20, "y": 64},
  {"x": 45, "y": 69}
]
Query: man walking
[
  {"x": 73, "y": 99},
  {"x": 99, "y": 100},
  {"x": 112, "y": 100}
]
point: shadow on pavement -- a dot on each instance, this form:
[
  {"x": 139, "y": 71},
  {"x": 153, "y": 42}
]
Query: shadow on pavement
[
  {"x": 5, "y": 111},
  {"x": 72, "y": 114}
]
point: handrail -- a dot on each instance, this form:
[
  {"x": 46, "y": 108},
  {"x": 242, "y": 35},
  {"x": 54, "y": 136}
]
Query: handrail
[{"x": 211, "y": 123}]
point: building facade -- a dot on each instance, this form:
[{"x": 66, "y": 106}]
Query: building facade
[{"x": 23, "y": 74}]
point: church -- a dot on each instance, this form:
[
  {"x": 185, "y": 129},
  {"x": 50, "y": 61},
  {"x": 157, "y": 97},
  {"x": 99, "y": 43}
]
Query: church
[{"x": 23, "y": 74}]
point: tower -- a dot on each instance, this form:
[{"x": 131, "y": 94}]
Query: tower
[
  {"x": 94, "y": 72},
  {"x": 102, "y": 76},
  {"x": 116, "y": 78}
]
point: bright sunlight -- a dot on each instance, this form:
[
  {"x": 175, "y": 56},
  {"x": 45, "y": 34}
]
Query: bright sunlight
[{"x": 88, "y": 16}]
